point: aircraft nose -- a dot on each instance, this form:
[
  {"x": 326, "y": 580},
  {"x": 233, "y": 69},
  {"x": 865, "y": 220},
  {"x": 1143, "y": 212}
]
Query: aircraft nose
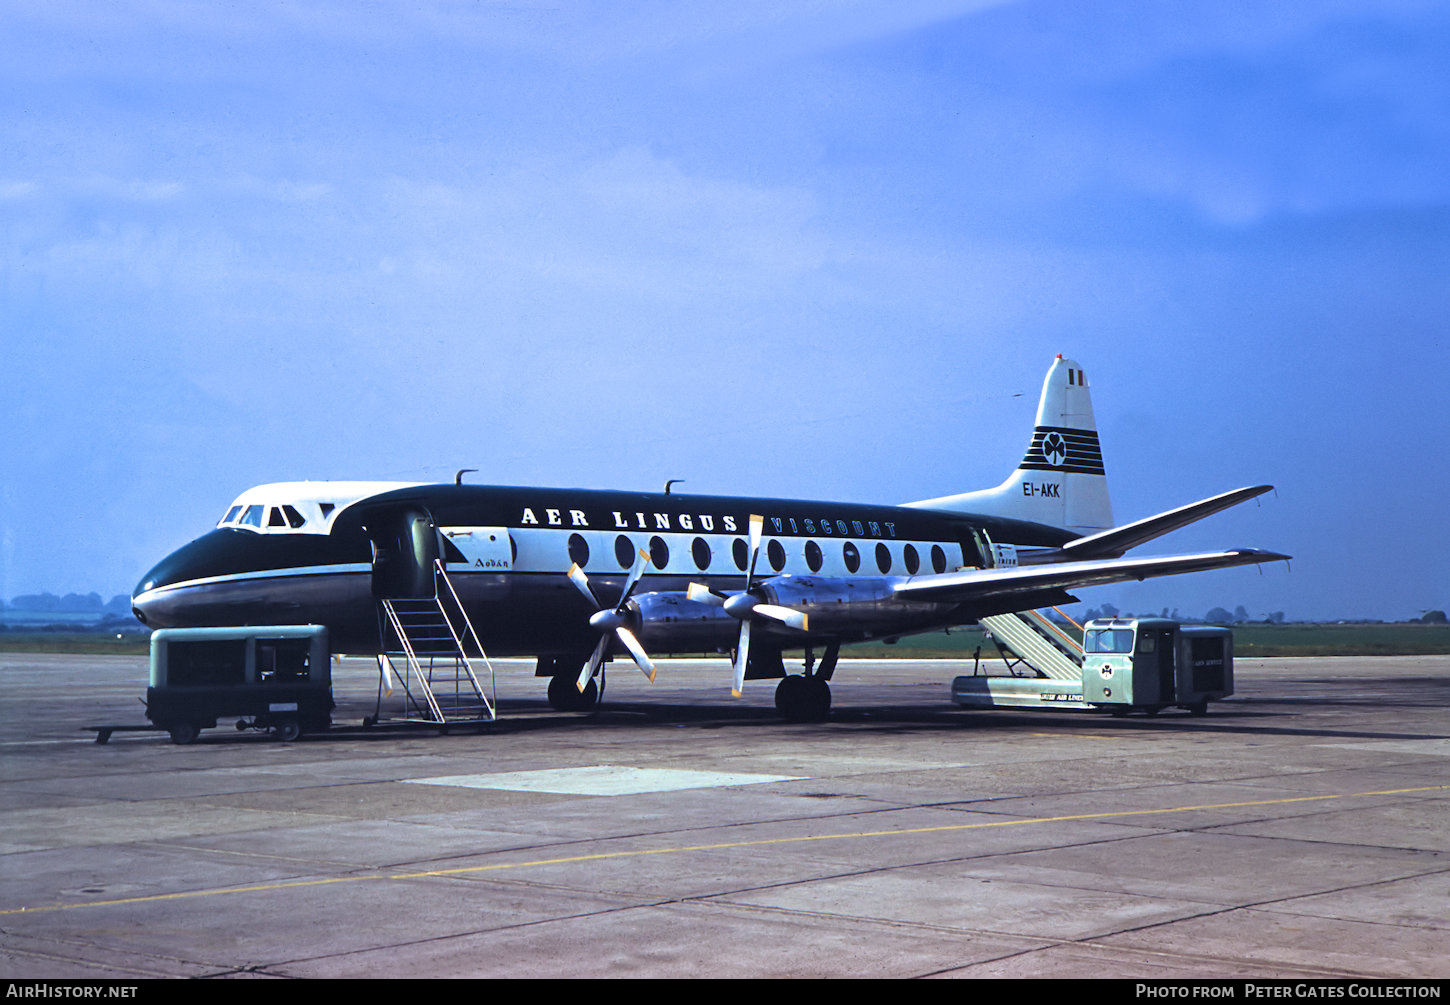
[
  {"x": 145, "y": 598},
  {"x": 161, "y": 595}
]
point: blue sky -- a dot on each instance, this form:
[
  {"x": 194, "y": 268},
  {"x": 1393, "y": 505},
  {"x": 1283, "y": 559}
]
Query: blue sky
[{"x": 820, "y": 250}]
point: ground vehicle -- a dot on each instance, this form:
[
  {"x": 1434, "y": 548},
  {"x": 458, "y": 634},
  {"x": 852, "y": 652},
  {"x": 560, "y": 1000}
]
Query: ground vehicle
[
  {"x": 276, "y": 678},
  {"x": 1124, "y": 665},
  {"x": 1149, "y": 664}
]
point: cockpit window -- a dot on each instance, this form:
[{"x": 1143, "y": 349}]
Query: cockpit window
[{"x": 293, "y": 508}]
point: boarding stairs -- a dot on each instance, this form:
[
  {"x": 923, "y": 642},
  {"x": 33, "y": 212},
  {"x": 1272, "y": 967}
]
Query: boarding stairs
[
  {"x": 426, "y": 672},
  {"x": 1037, "y": 643}
]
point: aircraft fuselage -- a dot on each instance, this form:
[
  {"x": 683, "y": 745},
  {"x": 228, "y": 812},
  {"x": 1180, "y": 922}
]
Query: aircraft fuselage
[{"x": 507, "y": 551}]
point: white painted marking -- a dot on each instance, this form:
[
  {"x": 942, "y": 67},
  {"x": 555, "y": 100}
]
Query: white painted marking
[
  {"x": 1436, "y": 747},
  {"x": 602, "y": 780}
]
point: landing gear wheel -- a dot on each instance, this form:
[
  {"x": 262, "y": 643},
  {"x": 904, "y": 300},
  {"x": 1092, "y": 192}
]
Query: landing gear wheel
[
  {"x": 1198, "y": 708},
  {"x": 803, "y": 699},
  {"x": 287, "y": 730},
  {"x": 565, "y": 696},
  {"x": 183, "y": 733}
]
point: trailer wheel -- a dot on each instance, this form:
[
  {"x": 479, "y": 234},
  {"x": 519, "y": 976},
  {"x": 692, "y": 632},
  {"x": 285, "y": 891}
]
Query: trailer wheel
[
  {"x": 288, "y": 730},
  {"x": 1198, "y": 708},
  {"x": 183, "y": 733}
]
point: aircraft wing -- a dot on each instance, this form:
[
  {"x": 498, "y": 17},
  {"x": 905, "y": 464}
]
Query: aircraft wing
[
  {"x": 991, "y": 587},
  {"x": 1117, "y": 540}
]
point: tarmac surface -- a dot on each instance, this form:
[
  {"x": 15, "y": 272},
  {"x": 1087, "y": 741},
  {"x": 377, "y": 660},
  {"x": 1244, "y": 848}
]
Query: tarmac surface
[{"x": 1299, "y": 830}]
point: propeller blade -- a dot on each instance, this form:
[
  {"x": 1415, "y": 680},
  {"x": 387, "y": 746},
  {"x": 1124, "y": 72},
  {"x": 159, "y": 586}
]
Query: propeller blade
[
  {"x": 637, "y": 651},
  {"x": 595, "y": 658},
  {"x": 757, "y": 525},
  {"x": 742, "y": 653},
  {"x": 704, "y": 595},
  {"x": 577, "y": 577},
  {"x": 641, "y": 562},
  {"x": 785, "y": 615}
]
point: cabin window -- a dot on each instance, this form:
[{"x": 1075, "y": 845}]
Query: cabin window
[
  {"x": 231, "y": 514},
  {"x": 814, "y": 558},
  {"x": 938, "y": 559},
  {"x": 776, "y": 553},
  {"x": 252, "y": 517},
  {"x": 294, "y": 518},
  {"x": 275, "y": 517},
  {"x": 578, "y": 550},
  {"x": 659, "y": 552},
  {"x": 740, "y": 551},
  {"x": 883, "y": 558},
  {"x": 624, "y": 552},
  {"x": 852, "y": 556},
  {"x": 700, "y": 551},
  {"x": 912, "y": 559}
]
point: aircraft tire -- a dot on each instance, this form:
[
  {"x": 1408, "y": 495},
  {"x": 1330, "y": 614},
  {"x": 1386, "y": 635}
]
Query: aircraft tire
[
  {"x": 803, "y": 699},
  {"x": 565, "y": 696}
]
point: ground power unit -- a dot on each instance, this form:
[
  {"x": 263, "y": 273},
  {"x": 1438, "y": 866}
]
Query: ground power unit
[{"x": 274, "y": 678}]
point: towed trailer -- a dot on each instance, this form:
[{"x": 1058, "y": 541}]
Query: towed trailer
[
  {"x": 1126, "y": 665},
  {"x": 275, "y": 678}
]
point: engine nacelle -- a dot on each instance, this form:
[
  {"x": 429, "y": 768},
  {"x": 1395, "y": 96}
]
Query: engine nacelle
[
  {"x": 670, "y": 622},
  {"x": 849, "y": 608}
]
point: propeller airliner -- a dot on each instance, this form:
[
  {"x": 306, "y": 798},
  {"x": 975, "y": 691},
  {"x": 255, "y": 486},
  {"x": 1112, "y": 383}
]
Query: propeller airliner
[{"x": 572, "y": 577}]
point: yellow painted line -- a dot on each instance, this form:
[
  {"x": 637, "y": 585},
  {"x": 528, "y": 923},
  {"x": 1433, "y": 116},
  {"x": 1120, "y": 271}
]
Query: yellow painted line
[{"x": 719, "y": 846}]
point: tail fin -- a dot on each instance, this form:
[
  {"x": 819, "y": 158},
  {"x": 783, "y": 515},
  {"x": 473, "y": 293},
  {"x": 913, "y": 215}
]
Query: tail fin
[{"x": 1060, "y": 481}]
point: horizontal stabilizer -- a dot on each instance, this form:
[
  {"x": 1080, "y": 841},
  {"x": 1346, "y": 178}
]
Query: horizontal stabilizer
[
  {"x": 1118, "y": 540},
  {"x": 990, "y": 587}
]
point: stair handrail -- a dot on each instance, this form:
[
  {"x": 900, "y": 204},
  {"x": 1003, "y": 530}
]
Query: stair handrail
[
  {"x": 415, "y": 667},
  {"x": 491, "y": 698}
]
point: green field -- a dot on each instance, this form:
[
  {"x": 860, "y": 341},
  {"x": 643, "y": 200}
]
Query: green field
[
  {"x": 86, "y": 643},
  {"x": 961, "y": 643}
]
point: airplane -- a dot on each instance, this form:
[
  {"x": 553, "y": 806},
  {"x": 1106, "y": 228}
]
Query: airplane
[{"x": 574, "y": 576}]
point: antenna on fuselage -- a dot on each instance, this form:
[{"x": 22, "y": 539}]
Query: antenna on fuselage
[
  {"x": 458, "y": 478},
  {"x": 672, "y": 481}
]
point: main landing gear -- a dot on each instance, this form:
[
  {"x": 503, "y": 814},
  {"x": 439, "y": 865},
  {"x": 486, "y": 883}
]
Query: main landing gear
[
  {"x": 565, "y": 696},
  {"x": 806, "y": 697},
  {"x": 564, "y": 693}
]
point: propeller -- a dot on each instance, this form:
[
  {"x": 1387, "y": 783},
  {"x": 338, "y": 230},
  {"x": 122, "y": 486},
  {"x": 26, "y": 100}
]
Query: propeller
[
  {"x": 746, "y": 606},
  {"x": 613, "y": 620}
]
